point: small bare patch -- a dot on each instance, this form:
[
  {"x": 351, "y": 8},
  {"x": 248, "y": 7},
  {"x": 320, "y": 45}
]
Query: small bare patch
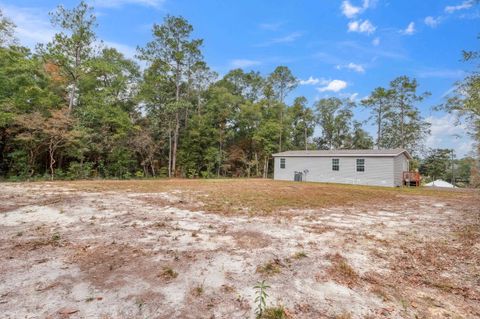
[
  {"x": 251, "y": 239},
  {"x": 102, "y": 263}
]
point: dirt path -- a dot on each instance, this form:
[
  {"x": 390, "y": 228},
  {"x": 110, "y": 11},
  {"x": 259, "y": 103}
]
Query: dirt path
[{"x": 70, "y": 253}]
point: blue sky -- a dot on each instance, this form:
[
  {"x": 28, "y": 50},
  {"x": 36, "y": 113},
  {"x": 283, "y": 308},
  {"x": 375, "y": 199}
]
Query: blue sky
[{"x": 336, "y": 48}]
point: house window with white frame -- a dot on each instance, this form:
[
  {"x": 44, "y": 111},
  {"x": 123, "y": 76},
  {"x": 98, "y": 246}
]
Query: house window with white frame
[
  {"x": 360, "y": 165},
  {"x": 335, "y": 164}
]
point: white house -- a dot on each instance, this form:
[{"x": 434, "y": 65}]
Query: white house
[{"x": 364, "y": 167}]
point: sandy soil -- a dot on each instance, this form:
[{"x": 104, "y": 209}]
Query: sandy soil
[{"x": 72, "y": 253}]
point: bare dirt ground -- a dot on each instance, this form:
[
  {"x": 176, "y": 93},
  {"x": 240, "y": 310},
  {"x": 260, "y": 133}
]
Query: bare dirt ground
[{"x": 195, "y": 249}]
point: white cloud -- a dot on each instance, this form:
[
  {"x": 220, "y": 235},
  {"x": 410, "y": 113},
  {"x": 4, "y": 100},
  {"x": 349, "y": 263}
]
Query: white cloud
[
  {"x": 353, "y": 97},
  {"x": 333, "y": 86},
  {"x": 350, "y": 10},
  {"x": 465, "y": 5},
  {"x": 243, "y": 63},
  {"x": 447, "y": 133},
  {"x": 33, "y": 25},
  {"x": 368, "y": 3},
  {"x": 410, "y": 29},
  {"x": 352, "y": 66},
  {"x": 314, "y": 81},
  {"x": 128, "y": 51},
  {"x": 361, "y": 27},
  {"x": 120, "y": 3},
  {"x": 431, "y": 21},
  {"x": 311, "y": 81},
  {"x": 376, "y": 41}
]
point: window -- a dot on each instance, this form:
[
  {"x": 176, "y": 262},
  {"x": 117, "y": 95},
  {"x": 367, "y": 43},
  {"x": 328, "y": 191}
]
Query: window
[
  {"x": 335, "y": 164},
  {"x": 282, "y": 163},
  {"x": 360, "y": 165}
]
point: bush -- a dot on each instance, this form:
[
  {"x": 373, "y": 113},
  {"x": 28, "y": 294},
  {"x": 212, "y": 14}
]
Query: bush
[
  {"x": 163, "y": 172},
  {"x": 20, "y": 169},
  {"x": 79, "y": 170}
]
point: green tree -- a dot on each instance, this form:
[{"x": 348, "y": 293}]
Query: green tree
[
  {"x": 281, "y": 81},
  {"x": 248, "y": 85},
  {"x": 334, "y": 118},
  {"x": 72, "y": 48},
  {"x": 25, "y": 87},
  {"x": 436, "y": 163},
  {"x": 107, "y": 110},
  {"x": 173, "y": 50},
  {"x": 303, "y": 123},
  {"x": 405, "y": 127},
  {"x": 380, "y": 104},
  {"x": 360, "y": 138},
  {"x": 7, "y": 31}
]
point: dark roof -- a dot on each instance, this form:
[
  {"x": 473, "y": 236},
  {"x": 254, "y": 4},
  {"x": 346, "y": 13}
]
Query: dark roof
[{"x": 356, "y": 153}]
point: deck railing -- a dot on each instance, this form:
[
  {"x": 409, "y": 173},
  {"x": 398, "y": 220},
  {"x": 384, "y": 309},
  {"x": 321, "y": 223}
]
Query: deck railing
[{"x": 411, "y": 178}]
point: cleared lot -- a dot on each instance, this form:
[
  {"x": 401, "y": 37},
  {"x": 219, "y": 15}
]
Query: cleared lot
[{"x": 195, "y": 249}]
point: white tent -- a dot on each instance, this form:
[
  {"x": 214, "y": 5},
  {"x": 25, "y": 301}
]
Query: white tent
[{"x": 440, "y": 183}]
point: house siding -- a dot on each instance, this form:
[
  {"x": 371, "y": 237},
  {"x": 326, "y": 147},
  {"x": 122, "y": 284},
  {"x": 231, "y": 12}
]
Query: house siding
[
  {"x": 379, "y": 170},
  {"x": 400, "y": 165}
]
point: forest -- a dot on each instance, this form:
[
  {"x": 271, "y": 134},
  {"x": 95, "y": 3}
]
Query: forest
[{"x": 75, "y": 108}]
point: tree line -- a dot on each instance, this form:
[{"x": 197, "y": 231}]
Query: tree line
[{"x": 75, "y": 108}]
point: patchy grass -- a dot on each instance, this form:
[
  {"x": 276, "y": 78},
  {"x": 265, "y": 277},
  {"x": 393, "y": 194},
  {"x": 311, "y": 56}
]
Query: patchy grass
[
  {"x": 270, "y": 268},
  {"x": 258, "y": 196},
  {"x": 198, "y": 290},
  {"x": 300, "y": 255},
  {"x": 274, "y": 313},
  {"x": 168, "y": 273},
  {"x": 341, "y": 271},
  {"x": 404, "y": 253},
  {"x": 345, "y": 315}
]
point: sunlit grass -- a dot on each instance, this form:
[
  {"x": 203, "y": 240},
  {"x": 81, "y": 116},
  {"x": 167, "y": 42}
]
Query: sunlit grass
[{"x": 258, "y": 196}]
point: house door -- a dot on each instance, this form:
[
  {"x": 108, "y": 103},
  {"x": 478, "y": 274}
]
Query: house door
[{"x": 298, "y": 177}]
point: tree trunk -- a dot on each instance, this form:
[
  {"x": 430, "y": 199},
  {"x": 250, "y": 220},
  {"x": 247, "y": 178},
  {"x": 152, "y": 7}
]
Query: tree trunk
[
  {"x": 281, "y": 130},
  {"x": 266, "y": 173},
  {"x": 51, "y": 152},
  {"x": 152, "y": 167},
  {"x": 169, "y": 152},
  {"x": 72, "y": 96},
  {"x": 177, "y": 120},
  {"x": 265, "y": 167},
  {"x": 257, "y": 172},
  {"x": 219, "y": 158},
  {"x": 379, "y": 129},
  {"x": 306, "y": 142},
  {"x": 402, "y": 120},
  {"x": 175, "y": 143}
]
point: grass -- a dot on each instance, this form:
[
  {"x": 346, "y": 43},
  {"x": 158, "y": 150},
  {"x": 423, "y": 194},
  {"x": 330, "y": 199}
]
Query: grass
[
  {"x": 341, "y": 271},
  {"x": 259, "y": 196},
  {"x": 274, "y": 313},
  {"x": 344, "y": 315},
  {"x": 300, "y": 255},
  {"x": 168, "y": 273},
  {"x": 270, "y": 268},
  {"x": 198, "y": 290}
]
